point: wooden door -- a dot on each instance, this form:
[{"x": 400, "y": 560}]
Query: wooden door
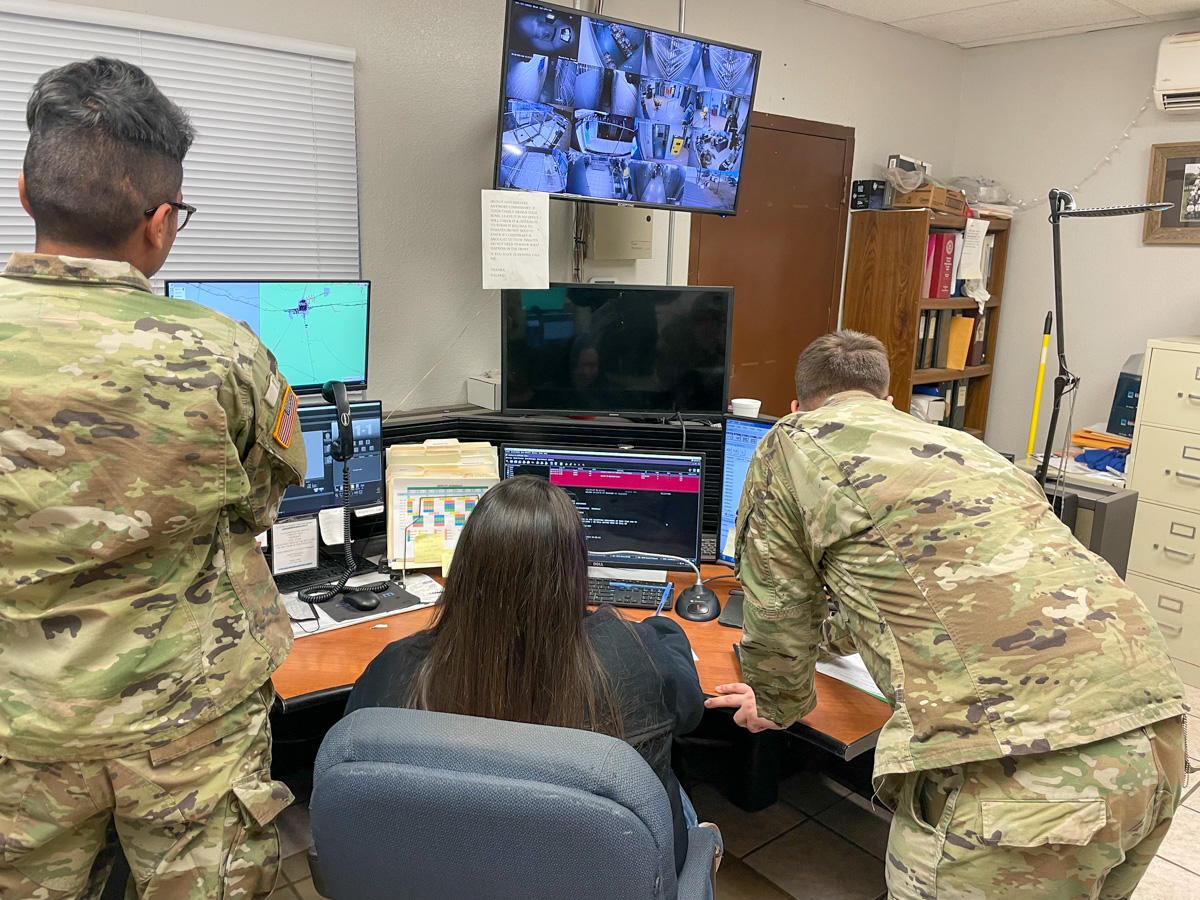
[{"x": 782, "y": 253}]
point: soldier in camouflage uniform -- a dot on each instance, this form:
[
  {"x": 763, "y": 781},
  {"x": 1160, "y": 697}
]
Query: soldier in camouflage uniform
[
  {"x": 1036, "y": 744},
  {"x": 143, "y": 443}
]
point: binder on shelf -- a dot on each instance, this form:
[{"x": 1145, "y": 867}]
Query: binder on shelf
[
  {"x": 955, "y": 281},
  {"x": 942, "y": 350},
  {"x": 958, "y": 415},
  {"x": 927, "y": 275},
  {"x": 943, "y": 265},
  {"x": 946, "y": 389},
  {"x": 922, "y": 325},
  {"x": 978, "y": 337},
  {"x": 961, "y": 330},
  {"x": 929, "y": 348},
  {"x": 989, "y": 249}
]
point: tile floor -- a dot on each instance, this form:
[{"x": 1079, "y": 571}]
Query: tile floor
[{"x": 822, "y": 840}]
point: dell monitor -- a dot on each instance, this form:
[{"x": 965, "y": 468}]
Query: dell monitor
[
  {"x": 741, "y": 440},
  {"x": 594, "y": 108},
  {"x": 609, "y": 350},
  {"x": 322, "y": 486},
  {"x": 642, "y": 503},
  {"x": 316, "y": 329}
]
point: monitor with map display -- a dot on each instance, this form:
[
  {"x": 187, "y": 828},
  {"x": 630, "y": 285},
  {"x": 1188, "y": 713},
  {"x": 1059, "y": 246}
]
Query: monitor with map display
[{"x": 316, "y": 329}]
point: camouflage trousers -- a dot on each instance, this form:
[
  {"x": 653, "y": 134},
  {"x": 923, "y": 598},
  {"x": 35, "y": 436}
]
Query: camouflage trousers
[
  {"x": 1077, "y": 823},
  {"x": 194, "y": 818}
]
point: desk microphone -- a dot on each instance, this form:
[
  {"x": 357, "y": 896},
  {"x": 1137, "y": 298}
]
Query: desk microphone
[{"x": 697, "y": 603}]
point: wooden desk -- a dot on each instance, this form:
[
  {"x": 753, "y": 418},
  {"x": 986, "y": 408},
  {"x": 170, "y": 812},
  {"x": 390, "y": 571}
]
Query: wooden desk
[{"x": 846, "y": 721}]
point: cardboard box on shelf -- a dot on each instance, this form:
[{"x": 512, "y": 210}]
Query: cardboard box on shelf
[{"x": 930, "y": 196}]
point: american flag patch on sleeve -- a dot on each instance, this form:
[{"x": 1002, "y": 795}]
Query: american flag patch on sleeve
[{"x": 285, "y": 425}]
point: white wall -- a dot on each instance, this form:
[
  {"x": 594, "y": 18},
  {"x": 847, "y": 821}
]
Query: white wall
[
  {"x": 1041, "y": 114},
  {"x": 427, "y": 97},
  {"x": 427, "y": 88},
  {"x": 899, "y": 91}
]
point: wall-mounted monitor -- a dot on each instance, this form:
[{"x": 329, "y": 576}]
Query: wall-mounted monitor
[
  {"x": 318, "y": 330},
  {"x": 619, "y": 350},
  {"x": 594, "y": 108}
]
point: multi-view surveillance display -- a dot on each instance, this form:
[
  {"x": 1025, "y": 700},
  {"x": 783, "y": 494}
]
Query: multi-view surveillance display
[{"x": 595, "y": 108}]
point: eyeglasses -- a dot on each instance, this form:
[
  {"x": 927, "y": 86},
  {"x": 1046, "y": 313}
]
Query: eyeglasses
[{"x": 185, "y": 208}]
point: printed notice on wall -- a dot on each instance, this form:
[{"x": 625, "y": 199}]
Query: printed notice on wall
[{"x": 516, "y": 240}]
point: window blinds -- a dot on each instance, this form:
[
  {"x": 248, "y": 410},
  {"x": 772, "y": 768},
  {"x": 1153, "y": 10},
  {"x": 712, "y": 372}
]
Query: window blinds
[{"x": 273, "y": 171}]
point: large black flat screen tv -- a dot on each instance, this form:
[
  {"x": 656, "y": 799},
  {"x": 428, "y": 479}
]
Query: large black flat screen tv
[
  {"x": 593, "y": 108},
  {"x": 598, "y": 349}
]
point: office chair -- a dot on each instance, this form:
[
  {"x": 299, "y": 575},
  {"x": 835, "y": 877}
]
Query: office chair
[{"x": 429, "y": 806}]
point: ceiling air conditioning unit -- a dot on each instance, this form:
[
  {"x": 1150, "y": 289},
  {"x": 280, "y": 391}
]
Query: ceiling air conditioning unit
[{"x": 1177, "y": 84}]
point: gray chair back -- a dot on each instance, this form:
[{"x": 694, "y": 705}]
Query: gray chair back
[{"x": 428, "y": 806}]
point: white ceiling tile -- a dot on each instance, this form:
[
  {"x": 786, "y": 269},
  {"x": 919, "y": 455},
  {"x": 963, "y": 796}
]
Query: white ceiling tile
[
  {"x": 1163, "y": 7},
  {"x": 896, "y": 10},
  {"x": 1015, "y": 17},
  {"x": 1053, "y": 32}
]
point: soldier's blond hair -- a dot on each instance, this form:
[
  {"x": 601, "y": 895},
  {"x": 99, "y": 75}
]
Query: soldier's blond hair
[{"x": 841, "y": 361}]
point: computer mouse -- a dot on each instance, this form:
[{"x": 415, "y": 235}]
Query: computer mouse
[
  {"x": 363, "y": 601},
  {"x": 697, "y": 604}
]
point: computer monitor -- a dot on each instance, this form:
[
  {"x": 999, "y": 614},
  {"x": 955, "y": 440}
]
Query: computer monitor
[
  {"x": 594, "y": 108},
  {"x": 322, "y": 487},
  {"x": 316, "y": 329},
  {"x": 636, "y": 502},
  {"x": 741, "y": 440},
  {"x": 612, "y": 350}
]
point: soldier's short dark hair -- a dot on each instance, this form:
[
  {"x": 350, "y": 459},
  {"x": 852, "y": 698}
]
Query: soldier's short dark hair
[
  {"x": 842, "y": 361},
  {"x": 105, "y": 145}
]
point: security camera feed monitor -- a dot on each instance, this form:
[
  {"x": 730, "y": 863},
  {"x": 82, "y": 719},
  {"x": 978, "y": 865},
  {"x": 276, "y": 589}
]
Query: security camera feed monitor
[
  {"x": 316, "y": 329},
  {"x": 641, "y": 503},
  {"x": 322, "y": 487},
  {"x": 741, "y": 440},
  {"x": 599, "y": 109},
  {"x": 596, "y": 349}
]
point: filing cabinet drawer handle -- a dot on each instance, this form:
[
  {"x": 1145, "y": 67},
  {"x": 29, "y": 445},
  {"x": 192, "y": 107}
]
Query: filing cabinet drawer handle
[
  {"x": 1188, "y": 477},
  {"x": 1194, "y": 397},
  {"x": 1172, "y": 630},
  {"x": 1170, "y": 604},
  {"x": 1182, "y": 554}
]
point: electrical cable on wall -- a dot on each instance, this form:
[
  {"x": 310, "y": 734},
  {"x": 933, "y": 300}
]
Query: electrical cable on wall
[
  {"x": 1116, "y": 148},
  {"x": 400, "y": 406}
]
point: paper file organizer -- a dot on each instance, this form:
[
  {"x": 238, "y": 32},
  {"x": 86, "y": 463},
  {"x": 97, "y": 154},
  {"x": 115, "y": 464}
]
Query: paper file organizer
[{"x": 432, "y": 488}]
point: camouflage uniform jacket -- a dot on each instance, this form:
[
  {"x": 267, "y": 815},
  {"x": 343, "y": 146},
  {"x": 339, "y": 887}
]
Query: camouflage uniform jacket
[
  {"x": 987, "y": 625},
  {"x": 138, "y": 460}
]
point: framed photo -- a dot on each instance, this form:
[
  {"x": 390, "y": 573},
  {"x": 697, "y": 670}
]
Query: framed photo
[{"x": 1174, "y": 178}]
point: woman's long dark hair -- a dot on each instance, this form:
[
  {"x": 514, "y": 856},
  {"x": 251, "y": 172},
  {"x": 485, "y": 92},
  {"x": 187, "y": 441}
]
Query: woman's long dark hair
[{"x": 508, "y": 637}]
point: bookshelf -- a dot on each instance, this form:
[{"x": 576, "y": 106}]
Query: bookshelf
[{"x": 884, "y": 269}]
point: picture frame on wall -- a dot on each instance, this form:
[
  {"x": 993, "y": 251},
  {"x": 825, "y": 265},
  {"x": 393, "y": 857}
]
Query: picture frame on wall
[{"x": 1174, "y": 178}]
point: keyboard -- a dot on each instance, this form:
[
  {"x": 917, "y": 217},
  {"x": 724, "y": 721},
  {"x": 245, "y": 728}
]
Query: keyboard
[
  {"x": 326, "y": 572},
  {"x": 632, "y": 594}
]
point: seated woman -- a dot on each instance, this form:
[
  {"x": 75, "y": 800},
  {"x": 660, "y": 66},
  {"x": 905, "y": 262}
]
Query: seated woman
[{"x": 512, "y": 639}]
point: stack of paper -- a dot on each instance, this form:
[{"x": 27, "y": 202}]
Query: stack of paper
[
  {"x": 851, "y": 670},
  {"x": 431, "y": 490}
]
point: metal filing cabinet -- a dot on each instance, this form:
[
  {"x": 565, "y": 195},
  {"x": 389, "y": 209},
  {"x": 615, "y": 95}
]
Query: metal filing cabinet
[{"x": 1164, "y": 468}]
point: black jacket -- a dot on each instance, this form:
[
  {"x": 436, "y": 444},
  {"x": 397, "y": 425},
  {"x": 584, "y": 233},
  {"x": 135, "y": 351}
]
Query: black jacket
[{"x": 650, "y": 667}]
